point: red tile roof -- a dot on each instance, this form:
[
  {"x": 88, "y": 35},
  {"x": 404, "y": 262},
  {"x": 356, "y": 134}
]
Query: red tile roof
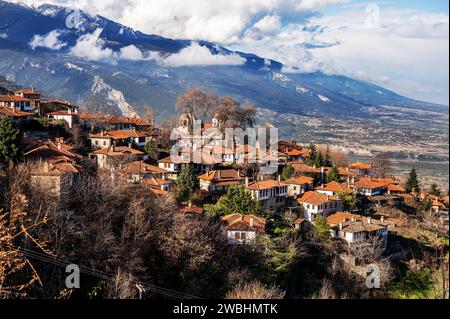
[
  {"x": 242, "y": 222},
  {"x": 316, "y": 198},
  {"x": 261, "y": 185},
  {"x": 300, "y": 180},
  {"x": 335, "y": 187},
  {"x": 13, "y": 98},
  {"x": 6, "y": 111}
]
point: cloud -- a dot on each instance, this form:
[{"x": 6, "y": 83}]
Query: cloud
[
  {"x": 49, "y": 41},
  {"x": 317, "y": 4},
  {"x": 91, "y": 47},
  {"x": 197, "y": 55},
  {"x": 132, "y": 53}
]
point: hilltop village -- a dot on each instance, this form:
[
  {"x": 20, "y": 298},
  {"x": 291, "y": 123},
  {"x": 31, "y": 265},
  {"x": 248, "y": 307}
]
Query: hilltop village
[{"x": 315, "y": 206}]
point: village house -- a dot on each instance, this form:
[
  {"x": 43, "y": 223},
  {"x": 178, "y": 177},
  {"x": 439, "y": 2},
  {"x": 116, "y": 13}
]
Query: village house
[
  {"x": 52, "y": 106},
  {"x": 369, "y": 187},
  {"x": 362, "y": 169},
  {"x": 271, "y": 194},
  {"x": 218, "y": 181},
  {"x": 16, "y": 103},
  {"x": 333, "y": 189},
  {"x": 138, "y": 171},
  {"x": 306, "y": 170},
  {"x": 54, "y": 167},
  {"x": 299, "y": 185},
  {"x": 242, "y": 229},
  {"x": 120, "y": 138},
  {"x": 17, "y": 116},
  {"x": 115, "y": 156},
  {"x": 67, "y": 116},
  {"x": 32, "y": 95},
  {"x": 52, "y": 151},
  {"x": 162, "y": 184},
  {"x": 174, "y": 165},
  {"x": 357, "y": 230},
  {"x": 55, "y": 179},
  {"x": 315, "y": 203}
]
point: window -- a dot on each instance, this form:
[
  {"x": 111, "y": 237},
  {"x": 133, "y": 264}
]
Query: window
[{"x": 240, "y": 236}]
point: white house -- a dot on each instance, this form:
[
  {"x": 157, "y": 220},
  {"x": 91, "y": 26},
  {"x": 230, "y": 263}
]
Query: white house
[
  {"x": 315, "y": 203},
  {"x": 120, "y": 138},
  {"x": 370, "y": 187},
  {"x": 271, "y": 194},
  {"x": 15, "y": 102},
  {"x": 241, "y": 229},
  {"x": 299, "y": 185},
  {"x": 356, "y": 230},
  {"x": 68, "y": 116},
  {"x": 333, "y": 189}
]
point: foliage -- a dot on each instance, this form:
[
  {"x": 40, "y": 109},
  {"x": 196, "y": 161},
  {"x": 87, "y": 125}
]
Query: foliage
[
  {"x": 412, "y": 184},
  {"x": 187, "y": 184},
  {"x": 151, "y": 149},
  {"x": 315, "y": 157},
  {"x": 322, "y": 228},
  {"x": 350, "y": 201},
  {"x": 416, "y": 284},
  {"x": 10, "y": 142},
  {"x": 434, "y": 190},
  {"x": 288, "y": 172},
  {"x": 275, "y": 259},
  {"x": 255, "y": 290},
  {"x": 427, "y": 203},
  {"x": 237, "y": 200},
  {"x": 333, "y": 175}
]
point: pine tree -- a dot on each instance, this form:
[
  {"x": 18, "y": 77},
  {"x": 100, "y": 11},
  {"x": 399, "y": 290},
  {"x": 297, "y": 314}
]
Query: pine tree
[
  {"x": 333, "y": 175},
  {"x": 434, "y": 190},
  {"x": 151, "y": 149},
  {"x": 287, "y": 173},
  {"x": 10, "y": 142},
  {"x": 187, "y": 184},
  {"x": 327, "y": 160},
  {"x": 322, "y": 228},
  {"x": 412, "y": 184},
  {"x": 237, "y": 200}
]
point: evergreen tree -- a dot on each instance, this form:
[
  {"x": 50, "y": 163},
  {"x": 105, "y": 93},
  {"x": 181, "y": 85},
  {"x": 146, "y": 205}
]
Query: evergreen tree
[
  {"x": 151, "y": 149},
  {"x": 187, "y": 184},
  {"x": 333, "y": 175},
  {"x": 10, "y": 142},
  {"x": 327, "y": 162},
  {"x": 322, "y": 228},
  {"x": 434, "y": 190},
  {"x": 288, "y": 172},
  {"x": 237, "y": 200},
  {"x": 412, "y": 184}
]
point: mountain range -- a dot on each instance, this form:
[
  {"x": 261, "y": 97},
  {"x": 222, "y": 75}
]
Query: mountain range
[{"x": 124, "y": 86}]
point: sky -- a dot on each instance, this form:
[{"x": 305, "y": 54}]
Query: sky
[{"x": 402, "y": 45}]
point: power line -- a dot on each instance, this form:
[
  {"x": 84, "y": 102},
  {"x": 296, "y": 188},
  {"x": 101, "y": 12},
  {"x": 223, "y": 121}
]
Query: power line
[{"x": 103, "y": 275}]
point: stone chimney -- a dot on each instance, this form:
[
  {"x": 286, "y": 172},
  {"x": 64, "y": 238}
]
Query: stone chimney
[
  {"x": 246, "y": 181},
  {"x": 59, "y": 145},
  {"x": 382, "y": 218},
  {"x": 341, "y": 226},
  {"x": 279, "y": 178},
  {"x": 45, "y": 167},
  {"x": 251, "y": 222},
  {"x": 369, "y": 221},
  {"x": 189, "y": 204}
]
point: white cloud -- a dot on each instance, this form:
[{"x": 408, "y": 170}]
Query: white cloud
[
  {"x": 3, "y": 35},
  {"x": 91, "y": 47},
  {"x": 49, "y": 41},
  {"x": 197, "y": 55},
  {"x": 132, "y": 53},
  {"x": 269, "y": 24},
  {"x": 317, "y": 4}
]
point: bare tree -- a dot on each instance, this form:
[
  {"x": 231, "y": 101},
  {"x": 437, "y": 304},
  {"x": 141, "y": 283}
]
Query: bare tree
[
  {"x": 122, "y": 286},
  {"x": 255, "y": 290},
  {"x": 383, "y": 165}
]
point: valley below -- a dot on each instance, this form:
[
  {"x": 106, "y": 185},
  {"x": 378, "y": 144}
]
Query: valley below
[{"x": 411, "y": 138}]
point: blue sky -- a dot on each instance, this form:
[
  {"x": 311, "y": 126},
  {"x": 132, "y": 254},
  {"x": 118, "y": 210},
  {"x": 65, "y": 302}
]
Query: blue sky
[{"x": 399, "y": 44}]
